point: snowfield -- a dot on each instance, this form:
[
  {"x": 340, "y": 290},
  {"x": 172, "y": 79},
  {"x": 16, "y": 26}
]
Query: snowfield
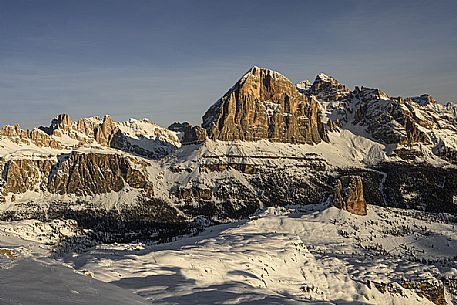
[
  {"x": 33, "y": 282},
  {"x": 313, "y": 254}
]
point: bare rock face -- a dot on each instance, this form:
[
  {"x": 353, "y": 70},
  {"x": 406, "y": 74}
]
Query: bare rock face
[
  {"x": 303, "y": 86},
  {"x": 446, "y": 152},
  {"x": 424, "y": 100},
  {"x": 189, "y": 134},
  {"x": 105, "y": 132},
  {"x": 348, "y": 195},
  {"x": 139, "y": 137},
  {"x": 264, "y": 104},
  {"x": 92, "y": 173},
  {"x": 59, "y": 124},
  {"x": 452, "y": 108},
  {"x": 193, "y": 135},
  {"x": 85, "y": 130},
  {"x": 76, "y": 173},
  {"x": 62, "y": 121},
  {"x": 86, "y": 126},
  {"x": 179, "y": 127},
  {"x": 23, "y": 175},
  {"x": 390, "y": 120}
]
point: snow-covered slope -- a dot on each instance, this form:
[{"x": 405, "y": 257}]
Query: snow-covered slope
[
  {"x": 31, "y": 282},
  {"x": 312, "y": 254}
]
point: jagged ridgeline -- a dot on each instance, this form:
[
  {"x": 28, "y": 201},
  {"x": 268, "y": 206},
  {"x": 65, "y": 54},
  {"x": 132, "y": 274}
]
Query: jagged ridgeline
[{"x": 265, "y": 142}]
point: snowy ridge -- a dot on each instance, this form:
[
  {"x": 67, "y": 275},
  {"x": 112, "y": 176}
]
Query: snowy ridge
[
  {"x": 144, "y": 128},
  {"x": 420, "y": 124},
  {"x": 82, "y": 133}
]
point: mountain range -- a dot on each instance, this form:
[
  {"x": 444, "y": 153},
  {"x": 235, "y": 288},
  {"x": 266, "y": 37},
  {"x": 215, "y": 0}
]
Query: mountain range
[{"x": 265, "y": 143}]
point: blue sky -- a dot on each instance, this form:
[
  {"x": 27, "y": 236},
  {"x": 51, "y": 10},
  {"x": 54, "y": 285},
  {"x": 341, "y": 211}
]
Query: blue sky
[{"x": 170, "y": 60}]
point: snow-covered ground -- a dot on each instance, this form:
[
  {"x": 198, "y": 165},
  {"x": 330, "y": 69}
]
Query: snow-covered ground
[
  {"x": 31, "y": 282},
  {"x": 311, "y": 254}
]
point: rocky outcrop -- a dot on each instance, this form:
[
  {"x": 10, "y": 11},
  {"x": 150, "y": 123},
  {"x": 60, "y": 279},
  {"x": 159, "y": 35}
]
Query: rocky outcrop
[
  {"x": 23, "y": 175},
  {"x": 87, "y": 126},
  {"x": 105, "y": 131},
  {"x": 424, "y": 100},
  {"x": 194, "y": 135},
  {"x": 76, "y": 173},
  {"x": 62, "y": 121},
  {"x": 264, "y": 104},
  {"x": 389, "y": 120},
  {"x": 303, "y": 86},
  {"x": 85, "y": 130},
  {"x": 452, "y": 109},
  {"x": 82, "y": 131},
  {"x": 434, "y": 292},
  {"x": 179, "y": 127},
  {"x": 446, "y": 152},
  {"x": 348, "y": 195},
  {"x": 34, "y": 136},
  {"x": 189, "y": 134},
  {"x": 326, "y": 88},
  {"x": 92, "y": 173},
  {"x": 140, "y": 137}
]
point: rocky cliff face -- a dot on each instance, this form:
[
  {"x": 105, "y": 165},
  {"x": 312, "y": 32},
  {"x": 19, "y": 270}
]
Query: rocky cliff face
[
  {"x": 349, "y": 195},
  {"x": 105, "y": 131},
  {"x": 390, "y": 120},
  {"x": 62, "y": 122},
  {"x": 92, "y": 173},
  {"x": 228, "y": 181},
  {"x": 452, "y": 109},
  {"x": 76, "y": 173},
  {"x": 80, "y": 158},
  {"x": 20, "y": 176},
  {"x": 85, "y": 131},
  {"x": 264, "y": 104}
]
